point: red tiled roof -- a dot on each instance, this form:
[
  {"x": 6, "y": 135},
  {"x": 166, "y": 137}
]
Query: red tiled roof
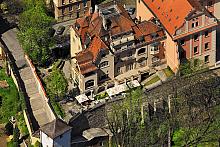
[
  {"x": 87, "y": 57},
  {"x": 172, "y": 13},
  {"x": 93, "y": 26}
]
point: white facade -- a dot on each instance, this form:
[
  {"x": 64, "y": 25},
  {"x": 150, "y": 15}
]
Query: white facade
[{"x": 63, "y": 140}]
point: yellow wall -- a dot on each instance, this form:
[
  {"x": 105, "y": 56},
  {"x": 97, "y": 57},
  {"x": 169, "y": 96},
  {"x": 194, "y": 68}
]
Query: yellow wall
[
  {"x": 171, "y": 53},
  {"x": 75, "y": 43},
  {"x": 142, "y": 11}
]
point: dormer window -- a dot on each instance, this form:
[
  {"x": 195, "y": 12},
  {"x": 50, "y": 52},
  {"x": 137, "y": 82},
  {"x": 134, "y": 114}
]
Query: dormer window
[
  {"x": 103, "y": 64},
  {"x": 154, "y": 35}
]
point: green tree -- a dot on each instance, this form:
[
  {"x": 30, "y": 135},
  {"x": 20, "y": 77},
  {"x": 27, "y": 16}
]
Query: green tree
[
  {"x": 132, "y": 126},
  {"x": 56, "y": 84},
  {"x": 34, "y": 25},
  {"x": 16, "y": 134}
]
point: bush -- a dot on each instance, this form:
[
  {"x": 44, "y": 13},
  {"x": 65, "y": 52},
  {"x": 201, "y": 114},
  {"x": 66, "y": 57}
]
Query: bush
[
  {"x": 9, "y": 128},
  {"x": 12, "y": 144},
  {"x": 56, "y": 84},
  {"x": 101, "y": 96},
  {"x": 57, "y": 108},
  {"x": 16, "y": 134}
]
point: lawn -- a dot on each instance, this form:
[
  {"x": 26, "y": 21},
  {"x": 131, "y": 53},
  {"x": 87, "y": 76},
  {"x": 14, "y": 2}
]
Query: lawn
[
  {"x": 153, "y": 80},
  {"x": 168, "y": 72},
  {"x": 9, "y": 98}
]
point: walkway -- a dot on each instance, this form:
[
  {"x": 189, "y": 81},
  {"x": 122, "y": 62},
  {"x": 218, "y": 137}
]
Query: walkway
[{"x": 37, "y": 101}]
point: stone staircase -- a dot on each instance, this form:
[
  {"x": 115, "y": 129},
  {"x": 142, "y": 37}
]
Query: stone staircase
[{"x": 37, "y": 101}]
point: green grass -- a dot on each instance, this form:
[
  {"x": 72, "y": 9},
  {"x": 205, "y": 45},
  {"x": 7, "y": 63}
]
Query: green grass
[
  {"x": 21, "y": 124},
  {"x": 168, "y": 72},
  {"x": 9, "y": 98},
  {"x": 153, "y": 80},
  {"x": 101, "y": 96},
  {"x": 57, "y": 108}
]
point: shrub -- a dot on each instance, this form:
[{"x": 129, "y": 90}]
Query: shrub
[{"x": 9, "y": 129}]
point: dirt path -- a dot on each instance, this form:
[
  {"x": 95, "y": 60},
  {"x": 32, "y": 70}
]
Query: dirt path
[{"x": 3, "y": 137}]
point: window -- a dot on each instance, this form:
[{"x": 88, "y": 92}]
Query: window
[
  {"x": 130, "y": 54},
  {"x": 103, "y": 64},
  {"x": 70, "y": 8},
  {"x": 182, "y": 42},
  {"x": 89, "y": 83},
  {"x": 84, "y": 3},
  {"x": 207, "y": 59},
  {"x": 118, "y": 70},
  {"x": 195, "y": 50},
  {"x": 141, "y": 51},
  {"x": 206, "y": 33},
  {"x": 197, "y": 24},
  {"x": 210, "y": 3},
  {"x": 103, "y": 77},
  {"x": 207, "y": 46},
  {"x": 78, "y": 5},
  {"x": 155, "y": 59},
  {"x": 63, "y": 11},
  {"x": 77, "y": 14},
  {"x": 193, "y": 25},
  {"x": 129, "y": 67},
  {"x": 196, "y": 37}
]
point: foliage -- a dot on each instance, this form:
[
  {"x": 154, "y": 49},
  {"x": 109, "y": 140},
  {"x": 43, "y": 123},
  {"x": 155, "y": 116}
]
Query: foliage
[
  {"x": 10, "y": 98},
  {"x": 152, "y": 81},
  {"x": 198, "y": 114},
  {"x": 16, "y": 134},
  {"x": 12, "y": 144},
  {"x": 190, "y": 67},
  {"x": 34, "y": 25},
  {"x": 9, "y": 128},
  {"x": 101, "y": 96},
  {"x": 37, "y": 144},
  {"x": 131, "y": 126},
  {"x": 12, "y": 6},
  {"x": 168, "y": 72},
  {"x": 56, "y": 84},
  {"x": 57, "y": 108},
  {"x": 21, "y": 124}
]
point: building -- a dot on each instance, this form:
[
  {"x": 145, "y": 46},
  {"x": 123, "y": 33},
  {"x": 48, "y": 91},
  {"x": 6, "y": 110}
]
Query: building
[
  {"x": 190, "y": 26},
  {"x": 70, "y": 9},
  {"x": 55, "y": 134},
  {"x": 109, "y": 48}
]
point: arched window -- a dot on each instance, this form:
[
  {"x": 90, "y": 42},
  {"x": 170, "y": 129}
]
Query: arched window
[
  {"x": 103, "y": 64},
  {"x": 141, "y": 51},
  {"x": 89, "y": 83}
]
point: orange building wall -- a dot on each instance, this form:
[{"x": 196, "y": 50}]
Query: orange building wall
[
  {"x": 171, "y": 53},
  {"x": 170, "y": 46},
  {"x": 142, "y": 11}
]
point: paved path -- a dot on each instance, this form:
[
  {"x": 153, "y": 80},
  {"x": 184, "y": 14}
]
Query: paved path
[{"x": 36, "y": 100}]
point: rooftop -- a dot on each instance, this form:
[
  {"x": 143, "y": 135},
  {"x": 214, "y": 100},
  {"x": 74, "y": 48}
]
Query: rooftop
[
  {"x": 172, "y": 13},
  {"x": 55, "y": 128}
]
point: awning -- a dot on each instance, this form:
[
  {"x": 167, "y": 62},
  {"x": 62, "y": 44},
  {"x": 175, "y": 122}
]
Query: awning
[
  {"x": 82, "y": 98},
  {"x": 133, "y": 84},
  {"x": 117, "y": 89}
]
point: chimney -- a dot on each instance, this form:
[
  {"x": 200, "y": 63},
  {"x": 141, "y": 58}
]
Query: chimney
[
  {"x": 96, "y": 8},
  {"x": 104, "y": 23},
  {"x": 90, "y": 10}
]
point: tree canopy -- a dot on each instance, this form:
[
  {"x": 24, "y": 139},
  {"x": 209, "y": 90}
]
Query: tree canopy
[
  {"x": 56, "y": 84},
  {"x": 34, "y": 26}
]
